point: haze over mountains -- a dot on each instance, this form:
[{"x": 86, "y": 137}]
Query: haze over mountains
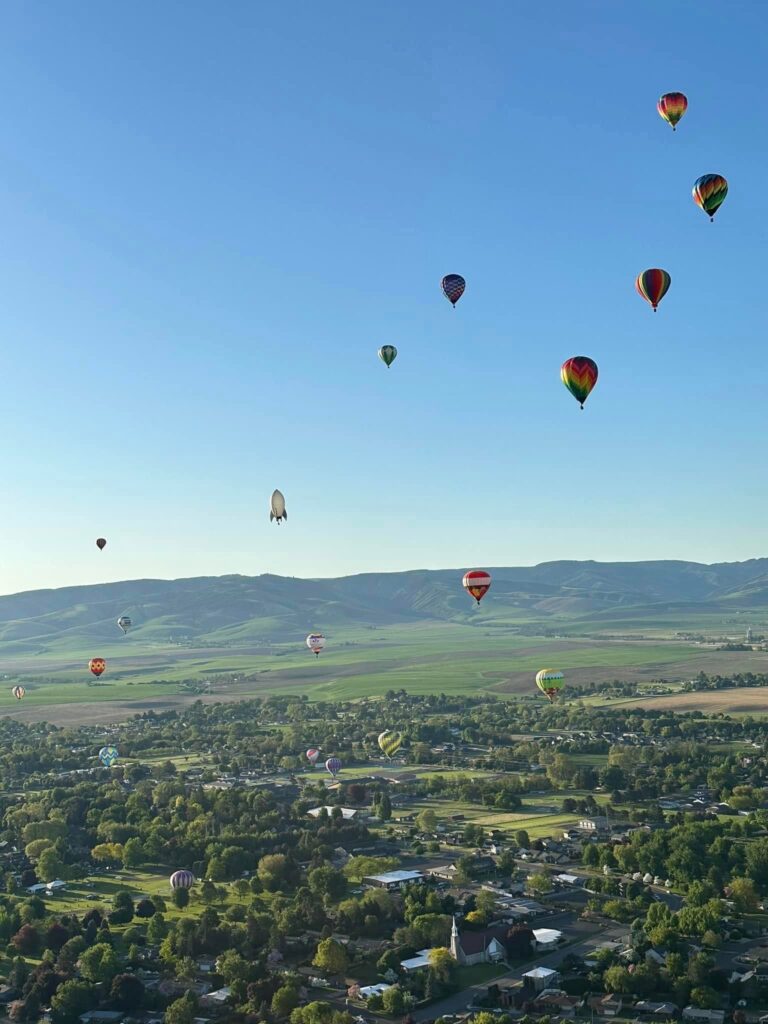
[{"x": 242, "y": 610}]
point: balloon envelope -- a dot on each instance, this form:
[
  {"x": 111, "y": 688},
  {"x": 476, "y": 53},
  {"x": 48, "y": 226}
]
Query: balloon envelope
[
  {"x": 388, "y": 354},
  {"x": 390, "y": 742},
  {"x": 550, "y": 682},
  {"x": 315, "y": 642},
  {"x": 101, "y": 543},
  {"x": 653, "y": 285},
  {"x": 277, "y": 507},
  {"x": 312, "y": 755},
  {"x": 18, "y": 692},
  {"x": 477, "y": 582},
  {"x": 671, "y": 106},
  {"x": 124, "y": 622},
  {"x": 333, "y": 765},
  {"x": 453, "y": 286},
  {"x": 709, "y": 191},
  {"x": 108, "y": 756},
  {"x": 182, "y": 879},
  {"x": 97, "y": 666},
  {"x": 579, "y": 374}
]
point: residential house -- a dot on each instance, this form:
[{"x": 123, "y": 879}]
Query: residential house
[
  {"x": 374, "y": 990},
  {"x": 416, "y": 963},
  {"x": 216, "y": 999},
  {"x": 547, "y": 938},
  {"x": 662, "y": 1011},
  {"x": 556, "y": 1003},
  {"x": 694, "y": 1013},
  {"x": 609, "y": 1005}
]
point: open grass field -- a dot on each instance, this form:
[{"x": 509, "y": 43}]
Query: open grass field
[
  {"x": 451, "y": 658},
  {"x": 731, "y": 702}
]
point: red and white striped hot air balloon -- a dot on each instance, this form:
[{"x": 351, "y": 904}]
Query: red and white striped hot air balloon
[
  {"x": 477, "y": 582},
  {"x": 312, "y": 755}
]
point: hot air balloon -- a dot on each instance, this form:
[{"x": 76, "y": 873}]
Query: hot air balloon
[
  {"x": 579, "y": 374},
  {"x": 672, "y": 106},
  {"x": 18, "y": 692},
  {"x": 182, "y": 879},
  {"x": 97, "y": 666},
  {"x": 108, "y": 756},
  {"x": 277, "y": 507},
  {"x": 477, "y": 583},
  {"x": 101, "y": 543},
  {"x": 315, "y": 642},
  {"x": 333, "y": 765},
  {"x": 124, "y": 622},
  {"x": 653, "y": 285},
  {"x": 709, "y": 192},
  {"x": 550, "y": 682},
  {"x": 390, "y": 742},
  {"x": 453, "y": 286},
  {"x": 388, "y": 354},
  {"x": 312, "y": 755}
]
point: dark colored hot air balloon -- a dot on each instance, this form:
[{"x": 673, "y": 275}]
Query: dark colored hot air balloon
[
  {"x": 672, "y": 106},
  {"x": 579, "y": 374},
  {"x": 453, "y": 286},
  {"x": 97, "y": 666},
  {"x": 101, "y": 543},
  {"x": 333, "y": 766},
  {"x": 388, "y": 354},
  {"x": 709, "y": 192},
  {"x": 653, "y": 285}
]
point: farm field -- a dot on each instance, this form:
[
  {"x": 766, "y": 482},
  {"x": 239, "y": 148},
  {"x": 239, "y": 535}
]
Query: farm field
[
  {"x": 437, "y": 657},
  {"x": 741, "y": 700}
]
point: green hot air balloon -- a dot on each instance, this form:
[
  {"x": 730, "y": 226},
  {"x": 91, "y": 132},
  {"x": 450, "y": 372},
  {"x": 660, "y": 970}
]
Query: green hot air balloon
[
  {"x": 550, "y": 682},
  {"x": 390, "y": 742},
  {"x": 388, "y": 354}
]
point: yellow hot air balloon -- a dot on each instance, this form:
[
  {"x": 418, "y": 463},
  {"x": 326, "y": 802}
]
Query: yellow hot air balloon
[
  {"x": 550, "y": 682},
  {"x": 390, "y": 742}
]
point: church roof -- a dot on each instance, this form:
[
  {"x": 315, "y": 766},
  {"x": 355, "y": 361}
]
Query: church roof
[{"x": 477, "y": 942}]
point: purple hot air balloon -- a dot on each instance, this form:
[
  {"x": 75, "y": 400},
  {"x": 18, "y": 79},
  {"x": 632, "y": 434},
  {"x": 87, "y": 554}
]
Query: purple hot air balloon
[
  {"x": 453, "y": 286},
  {"x": 182, "y": 880},
  {"x": 333, "y": 765}
]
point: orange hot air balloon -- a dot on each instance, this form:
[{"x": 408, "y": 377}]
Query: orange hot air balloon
[
  {"x": 101, "y": 543},
  {"x": 97, "y": 666}
]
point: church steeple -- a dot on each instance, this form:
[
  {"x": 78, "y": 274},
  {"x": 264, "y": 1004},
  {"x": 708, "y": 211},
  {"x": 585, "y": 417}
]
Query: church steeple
[{"x": 456, "y": 951}]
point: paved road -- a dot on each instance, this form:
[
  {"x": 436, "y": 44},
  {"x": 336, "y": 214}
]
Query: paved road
[{"x": 586, "y": 934}]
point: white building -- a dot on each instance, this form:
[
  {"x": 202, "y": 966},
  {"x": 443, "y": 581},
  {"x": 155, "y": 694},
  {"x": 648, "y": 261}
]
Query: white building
[
  {"x": 541, "y": 978},
  {"x": 546, "y": 938},
  {"x": 416, "y": 963},
  {"x": 393, "y": 879},
  {"x": 347, "y": 813}
]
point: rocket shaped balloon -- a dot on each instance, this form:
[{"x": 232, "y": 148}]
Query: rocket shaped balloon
[{"x": 277, "y": 507}]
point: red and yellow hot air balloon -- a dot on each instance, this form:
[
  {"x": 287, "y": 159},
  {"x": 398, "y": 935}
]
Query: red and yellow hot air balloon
[
  {"x": 579, "y": 374},
  {"x": 97, "y": 666},
  {"x": 477, "y": 583},
  {"x": 709, "y": 192},
  {"x": 672, "y": 106},
  {"x": 653, "y": 285}
]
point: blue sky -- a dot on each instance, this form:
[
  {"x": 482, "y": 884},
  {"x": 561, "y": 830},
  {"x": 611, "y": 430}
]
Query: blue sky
[{"x": 212, "y": 216}]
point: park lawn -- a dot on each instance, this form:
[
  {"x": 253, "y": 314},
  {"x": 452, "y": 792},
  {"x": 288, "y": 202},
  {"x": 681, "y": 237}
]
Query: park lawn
[
  {"x": 479, "y": 974},
  {"x": 538, "y": 826}
]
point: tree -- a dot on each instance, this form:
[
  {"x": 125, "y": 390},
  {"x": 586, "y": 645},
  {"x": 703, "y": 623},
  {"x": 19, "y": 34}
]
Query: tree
[
  {"x": 519, "y": 941},
  {"x": 618, "y": 980},
  {"x": 274, "y": 871},
  {"x": 27, "y": 940},
  {"x": 522, "y": 839},
  {"x": 69, "y": 954},
  {"x": 539, "y": 883},
  {"x": 284, "y": 1001},
  {"x": 208, "y": 892},
  {"x": 157, "y": 929},
  {"x": 393, "y": 1001},
  {"x": 99, "y": 963},
  {"x": 330, "y": 956},
  {"x": 427, "y": 820},
  {"x": 182, "y": 1011},
  {"x": 108, "y": 853},
  {"x": 122, "y": 908},
  {"x": 360, "y": 867},
  {"x": 145, "y": 908},
  {"x": 180, "y": 899},
  {"x": 50, "y": 865},
  {"x": 128, "y": 992},
  {"x": 133, "y": 853},
  {"x": 442, "y": 965},
  {"x": 327, "y": 882},
  {"x": 385, "y": 807},
  {"x": 744, "y": 895},
  {"x": 71, "y": 999},
  {"x": 705, "y": 998}
]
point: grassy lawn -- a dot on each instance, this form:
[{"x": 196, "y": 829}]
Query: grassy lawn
[{"x": 478, "y": 974}]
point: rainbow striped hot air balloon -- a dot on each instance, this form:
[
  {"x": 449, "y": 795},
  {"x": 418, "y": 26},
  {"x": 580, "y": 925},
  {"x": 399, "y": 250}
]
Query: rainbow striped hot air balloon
[
  {"x": 550, "y": 682},
  {"x": 333, "y": 766},
  {"x": 312, "y": 755},
  {"x": 18, "y": 692},
  {"x": 453, "y": 286},
  {"x": 709, "y": 192},
  {"x": 579, "y": 374},
  {"x": 672, "y": 106},
  {"x": 477, "y": 582},
  {"x": 182, "y": 879},
  {"x": 653, "y": 285},
  {"x": 390, "y": 742}
]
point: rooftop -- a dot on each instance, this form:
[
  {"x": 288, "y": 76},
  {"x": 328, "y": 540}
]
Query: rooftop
[{"x": 390, "y": 877}]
